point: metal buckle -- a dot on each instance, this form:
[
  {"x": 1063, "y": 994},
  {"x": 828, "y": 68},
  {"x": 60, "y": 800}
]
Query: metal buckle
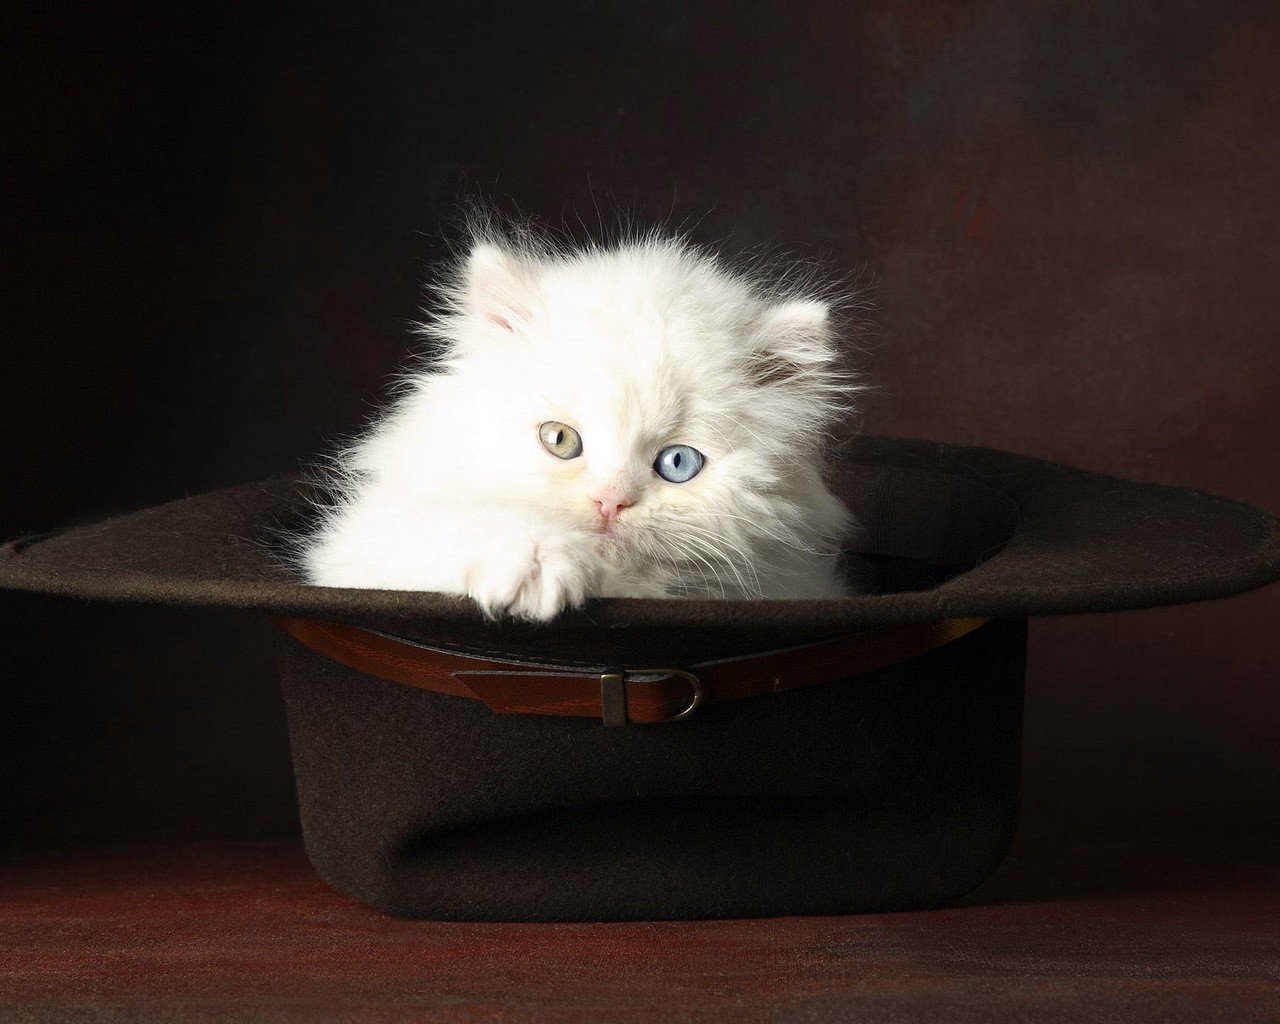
[{"x": 613, "y": 694}]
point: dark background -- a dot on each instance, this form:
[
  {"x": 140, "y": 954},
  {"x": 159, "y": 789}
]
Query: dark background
[{"x": 217, "y": 222}]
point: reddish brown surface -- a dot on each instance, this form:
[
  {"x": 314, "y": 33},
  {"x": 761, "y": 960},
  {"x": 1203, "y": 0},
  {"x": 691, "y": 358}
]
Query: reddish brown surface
[{"x": 216, "y": 932}]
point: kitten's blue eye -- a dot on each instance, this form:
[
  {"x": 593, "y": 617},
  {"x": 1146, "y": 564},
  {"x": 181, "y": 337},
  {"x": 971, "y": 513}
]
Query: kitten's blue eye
[
  {"x": 560, "y": 439},
  {"x": 678, "y": 463}
]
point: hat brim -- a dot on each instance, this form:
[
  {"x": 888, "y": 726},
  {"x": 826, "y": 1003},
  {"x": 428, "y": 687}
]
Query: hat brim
[{"x": 1018, "y": 537}]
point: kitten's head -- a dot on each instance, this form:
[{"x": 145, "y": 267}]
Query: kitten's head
[{"x": 646, "y": 393}]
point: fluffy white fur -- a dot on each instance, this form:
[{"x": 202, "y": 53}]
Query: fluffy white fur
[{"x": 638, "y": 346}]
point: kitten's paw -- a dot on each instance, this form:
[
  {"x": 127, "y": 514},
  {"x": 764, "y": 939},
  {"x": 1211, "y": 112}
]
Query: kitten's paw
[{"x": 535, "y": 578}]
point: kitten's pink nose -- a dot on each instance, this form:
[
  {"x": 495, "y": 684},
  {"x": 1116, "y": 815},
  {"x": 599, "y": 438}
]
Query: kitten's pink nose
[{"x": 610, "y": 502}]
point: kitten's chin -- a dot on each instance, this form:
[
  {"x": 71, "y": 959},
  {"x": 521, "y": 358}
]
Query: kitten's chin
[
  {"x": 616, "y": 547},
  {"x": 611, "y": 547}
]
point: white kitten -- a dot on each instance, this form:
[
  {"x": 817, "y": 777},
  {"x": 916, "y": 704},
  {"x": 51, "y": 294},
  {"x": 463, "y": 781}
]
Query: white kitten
[{"x": 632, "y": 421}]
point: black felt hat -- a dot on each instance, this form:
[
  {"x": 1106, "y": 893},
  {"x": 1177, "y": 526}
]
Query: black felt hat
[{"x": 881, "y": 775}]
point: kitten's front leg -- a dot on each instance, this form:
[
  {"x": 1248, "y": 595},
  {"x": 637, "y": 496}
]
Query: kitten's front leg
[
  {"x": 533, "y": 574},
  {"x": 510, "y": 561}
]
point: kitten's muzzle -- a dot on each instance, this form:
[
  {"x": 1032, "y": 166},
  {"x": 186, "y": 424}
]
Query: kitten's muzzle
[{"x": 609, "y": 502}]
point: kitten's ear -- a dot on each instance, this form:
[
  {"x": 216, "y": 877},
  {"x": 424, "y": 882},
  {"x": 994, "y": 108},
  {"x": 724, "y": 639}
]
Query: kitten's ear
[
  {"x": 793, "y": 341},
  {"x": 497, "y": 286}
]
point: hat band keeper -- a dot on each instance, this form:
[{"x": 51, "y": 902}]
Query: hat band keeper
[{"x": 617, "y": 695}]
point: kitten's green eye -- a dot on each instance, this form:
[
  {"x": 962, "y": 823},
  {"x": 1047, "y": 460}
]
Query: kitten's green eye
[{"x": 560, "y": 439}]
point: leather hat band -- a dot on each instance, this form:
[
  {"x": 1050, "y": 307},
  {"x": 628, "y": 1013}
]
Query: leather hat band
[{"x": 618, "y": 695}]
